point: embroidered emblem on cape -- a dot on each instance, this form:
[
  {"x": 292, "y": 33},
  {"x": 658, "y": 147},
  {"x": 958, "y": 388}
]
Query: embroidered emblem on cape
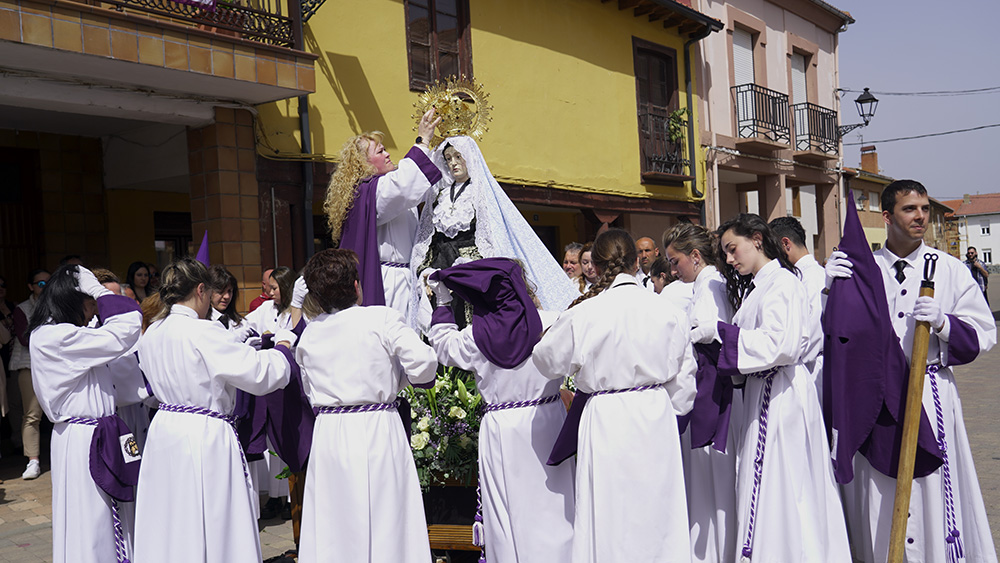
[{"x": 130, "y": 448}]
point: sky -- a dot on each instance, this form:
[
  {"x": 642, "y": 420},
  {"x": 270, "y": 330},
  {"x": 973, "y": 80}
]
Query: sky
[{"x": 919, "y": 46}]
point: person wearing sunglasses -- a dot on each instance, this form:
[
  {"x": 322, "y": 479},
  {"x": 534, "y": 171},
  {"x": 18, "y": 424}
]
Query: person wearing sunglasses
[{"x": 20, "y": 364}]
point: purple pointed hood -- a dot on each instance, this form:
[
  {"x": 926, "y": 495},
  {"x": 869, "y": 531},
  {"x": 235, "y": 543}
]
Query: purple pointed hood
[
  {"x": 202, "y": 255},
  {"x": 865, "y": 372},
  {"x": 505, "y": 321}
]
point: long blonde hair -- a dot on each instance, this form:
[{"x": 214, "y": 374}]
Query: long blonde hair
[{"x": 351, "y": 170}]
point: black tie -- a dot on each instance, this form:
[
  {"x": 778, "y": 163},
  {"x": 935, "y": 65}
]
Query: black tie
[
  {"x": 899, "y": 265},
  {"x": 750, "y": 288},
  {"x": 645, "y": 281}
]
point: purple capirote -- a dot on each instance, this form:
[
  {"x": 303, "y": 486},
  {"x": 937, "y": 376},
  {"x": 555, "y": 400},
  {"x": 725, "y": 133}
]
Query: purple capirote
[
  {"x": 359, "y": 231},
  {"x": 865, "y": 371},
  {"x": 505, "y": 321}
]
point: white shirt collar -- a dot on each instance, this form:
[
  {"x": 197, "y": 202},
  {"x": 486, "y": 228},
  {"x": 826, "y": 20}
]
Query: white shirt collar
[{"x": 178, "y": 309}]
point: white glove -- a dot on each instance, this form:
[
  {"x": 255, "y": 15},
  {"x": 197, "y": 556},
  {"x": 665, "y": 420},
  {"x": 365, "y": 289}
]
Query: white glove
[
  {"x": 705, "y": 334},
  {"x": 838, "y": 266},
  {"x": 243, "y": 332},
  {"x": 442, "y": 293},
  {"x": 254, "y": 342},
  {"x": 928, "y": 310},
  {"x": 87, "y": 282},
  {"x": 284, "y": 335},
  {"x": 299, "y": 293}
]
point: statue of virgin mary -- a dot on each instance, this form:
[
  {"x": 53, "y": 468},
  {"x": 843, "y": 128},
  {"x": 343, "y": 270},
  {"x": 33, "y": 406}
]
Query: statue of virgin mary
[{"x": 467, "y": 216}]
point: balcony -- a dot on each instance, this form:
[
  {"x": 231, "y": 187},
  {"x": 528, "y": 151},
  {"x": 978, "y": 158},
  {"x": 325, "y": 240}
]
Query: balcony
[
  {"x": 663, "y": 159},
  {"x": 149, "y": 60},
  {"x": 815, "y": 132},
  {"x": 762, "y": 118}
]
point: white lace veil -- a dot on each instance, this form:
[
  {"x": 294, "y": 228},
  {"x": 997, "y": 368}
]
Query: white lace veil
[{"x": 501, "y": 231}]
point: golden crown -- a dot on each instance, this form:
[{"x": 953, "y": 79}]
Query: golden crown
[{"x": 460, "y": 103}]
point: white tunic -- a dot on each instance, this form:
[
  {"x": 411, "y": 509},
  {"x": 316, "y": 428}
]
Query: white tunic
[
  {"x": 527, "y": 505},
  {"x": 629, "y": 505},
  {"x": 678, "y": 293},
  {"x": 362, "y": 497},
  {"x": 71, "y": 379},
  {"x": 813, "y": 277},
  {"x": 397, "y": 196},
  {"x": 798, "y": 514},
  {"x": 194, "y": 499},
  {"x": 868, "y": 499},
  {"x": 710, "y": 475}
]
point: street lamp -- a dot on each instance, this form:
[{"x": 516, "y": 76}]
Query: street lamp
[{"x": 866, "y": 103}]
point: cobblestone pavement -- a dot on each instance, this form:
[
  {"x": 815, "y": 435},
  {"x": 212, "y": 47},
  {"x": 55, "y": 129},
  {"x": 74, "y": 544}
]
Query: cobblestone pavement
[{"x": 26, "y": 506}]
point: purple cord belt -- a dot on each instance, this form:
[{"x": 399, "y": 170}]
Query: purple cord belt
[
  {"x": 952, "y": 535},
  {"x": 367, "y": 407},
  {"x": 230, "y": 419},
  {"x": 116, "y": 520},
  {"x": 629, "y": 390},
  {"x": 758, "y": 460},
  {"x": 395, "y": 264},
  {"x": 490, "y": 407}
]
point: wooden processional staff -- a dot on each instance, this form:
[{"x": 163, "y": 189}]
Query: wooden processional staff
[{"x": 911, "y": 420}]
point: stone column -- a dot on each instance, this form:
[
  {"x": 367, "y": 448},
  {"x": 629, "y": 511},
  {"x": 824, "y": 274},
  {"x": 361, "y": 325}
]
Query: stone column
[
  {"x": 772, "y": 203},
  {"x": 222, "y": 159},
  {"x": 828, "y": 220}
]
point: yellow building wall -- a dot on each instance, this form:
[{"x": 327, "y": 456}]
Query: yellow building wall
[
  {"x": 130, "y": 224},
  {"x": 559, "y": 72}
]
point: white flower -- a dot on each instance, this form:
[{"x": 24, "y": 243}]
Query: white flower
[
  {"x": 456, "y": 412},
  {"x": 419, "y": 441},
  {"x": 413, "y": 414},
  {"x": 424, "y": 424},
  {"x": 464, "y": 440}
]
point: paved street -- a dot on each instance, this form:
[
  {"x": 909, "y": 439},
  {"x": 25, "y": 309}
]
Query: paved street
[{"x": 26, "y": 506}]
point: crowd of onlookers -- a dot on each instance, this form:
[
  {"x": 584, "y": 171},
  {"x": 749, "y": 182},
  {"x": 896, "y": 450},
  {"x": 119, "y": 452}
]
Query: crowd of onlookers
[{"x": 22, "y": 416}]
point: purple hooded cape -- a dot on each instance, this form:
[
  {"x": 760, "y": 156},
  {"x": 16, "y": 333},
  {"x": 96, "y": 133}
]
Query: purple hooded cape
[
  {"x": 505, "y": 321},
  {"x": 114, "y": 458},
  {"x": 360, "y": 234},
  {"x": 865, "y": 372},
  {"x": 709, "y": 418}
]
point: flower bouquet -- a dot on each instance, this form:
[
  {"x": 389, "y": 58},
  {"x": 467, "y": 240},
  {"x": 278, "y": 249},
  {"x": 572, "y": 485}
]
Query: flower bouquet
[{"x": 445, "y": 429}]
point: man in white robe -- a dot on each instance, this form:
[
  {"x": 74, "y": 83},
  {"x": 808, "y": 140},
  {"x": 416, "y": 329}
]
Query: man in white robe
[{"x": 947, "y": 514}]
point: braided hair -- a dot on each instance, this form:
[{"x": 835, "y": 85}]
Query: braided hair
[
  {"x": 613, "y": 253},
  {"x": 747, "y": 225}
]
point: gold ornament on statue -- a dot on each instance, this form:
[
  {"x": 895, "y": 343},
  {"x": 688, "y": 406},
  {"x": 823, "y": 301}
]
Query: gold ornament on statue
[{"x": 461, "y": 104}]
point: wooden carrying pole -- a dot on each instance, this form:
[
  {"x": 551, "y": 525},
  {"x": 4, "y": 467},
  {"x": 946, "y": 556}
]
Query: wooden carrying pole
[{"x": 911, "y": 421}]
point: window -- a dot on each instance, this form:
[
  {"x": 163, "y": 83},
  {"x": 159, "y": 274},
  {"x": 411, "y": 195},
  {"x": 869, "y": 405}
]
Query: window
[
  {"x": 986, "y": 256},
  {"x": 656, "y": 97},
  {"x": 984, "y": 227},
  {"x": 793, "y": 204},
  {"x": 799, "y": 95},
  {"x": 437, "y": 40},
  {"x": 743, "y": 72},
  {"x": 874, "y": 201}
]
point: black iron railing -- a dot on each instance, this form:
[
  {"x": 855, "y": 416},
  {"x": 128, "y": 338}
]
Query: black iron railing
[
  {"x": 660, "y": 153},
  {"x": 761, "y": 113},
  {"x": 264, "y": 21},
  {"x": 815, "y": 128}
]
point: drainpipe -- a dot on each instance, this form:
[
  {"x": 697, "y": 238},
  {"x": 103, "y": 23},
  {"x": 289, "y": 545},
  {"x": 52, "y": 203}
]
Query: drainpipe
[
  {"x": 307, "y": 176},
  {"x": 295, "y": 11},
  {"x": 690, "y": 105}
]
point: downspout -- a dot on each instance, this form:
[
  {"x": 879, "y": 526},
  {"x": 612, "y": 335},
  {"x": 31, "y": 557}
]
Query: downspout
[
  {"x": 692, "y": 167},
  {"x": 295, "y": 10}
]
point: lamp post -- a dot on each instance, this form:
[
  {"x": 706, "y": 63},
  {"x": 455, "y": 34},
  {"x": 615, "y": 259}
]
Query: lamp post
[{"x": 866, "y": 103}]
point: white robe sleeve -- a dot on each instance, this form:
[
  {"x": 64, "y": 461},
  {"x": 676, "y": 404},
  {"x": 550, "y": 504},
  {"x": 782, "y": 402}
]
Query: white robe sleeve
[
  {"x": 455, "y": 348},
  {"x": 417, "y": 359},
  {"x": 88, "y": 348},
  {"x": 400, "y": 190},
  {"x": 257, "y": 372},
  {"x": 777, "y": 339},
  {"x": 127, "y": 377},
  {"x": 555, "y": 354},
  {"x": 965, "y": 302}
]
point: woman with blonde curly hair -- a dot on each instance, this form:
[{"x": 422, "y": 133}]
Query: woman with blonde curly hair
[{"x": 371, "y": 207}]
